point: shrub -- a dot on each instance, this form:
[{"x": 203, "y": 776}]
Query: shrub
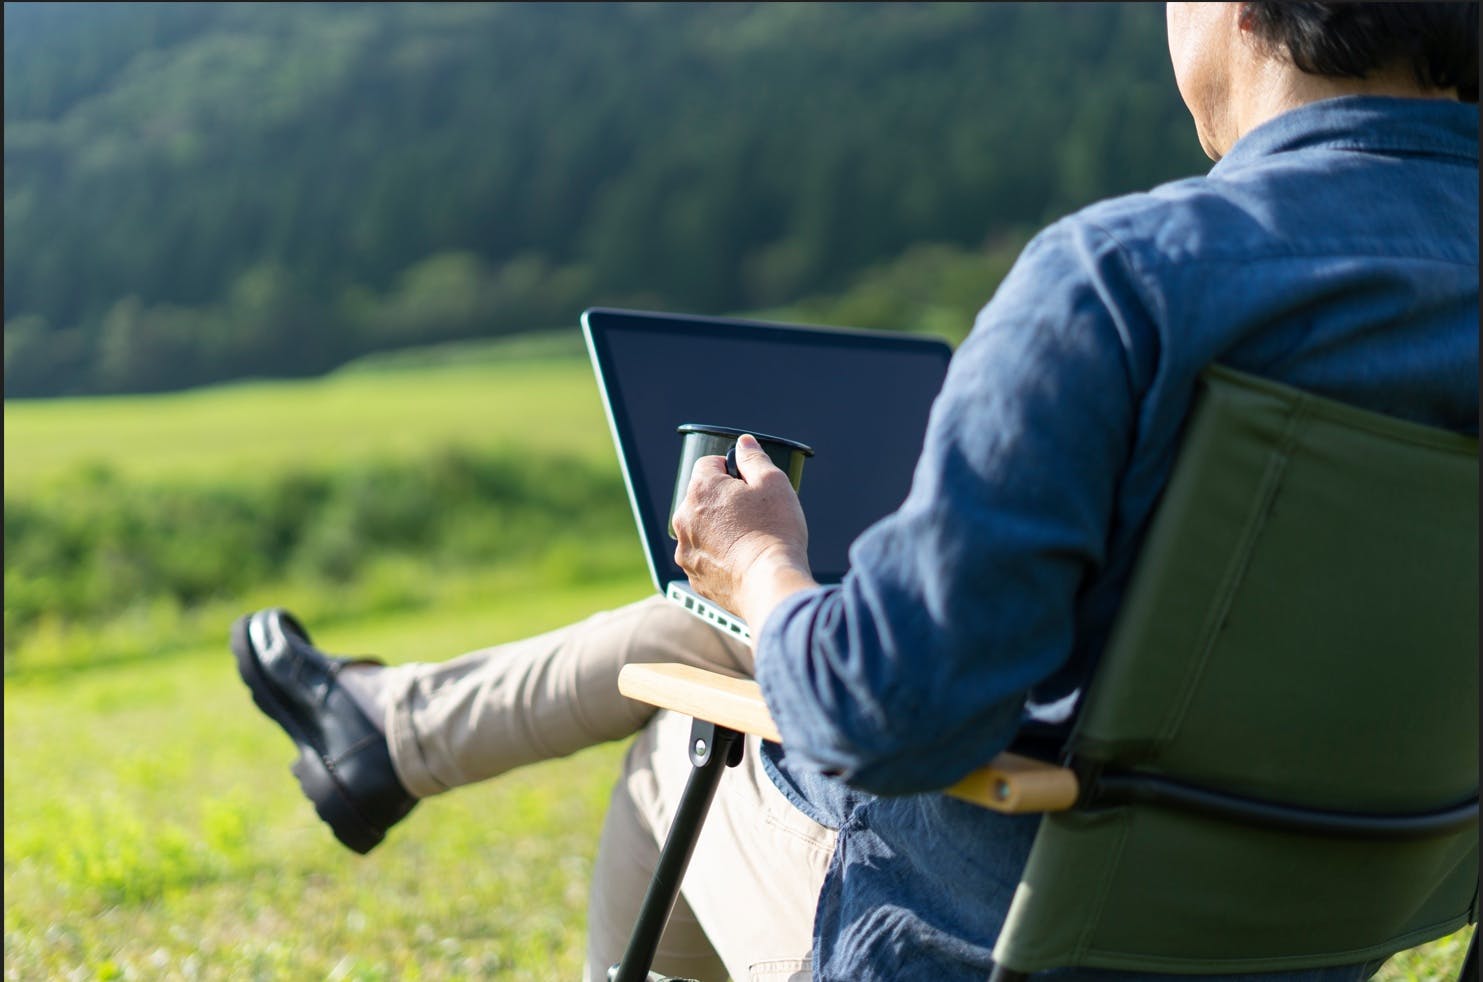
[{"x": 91, "y": 548}]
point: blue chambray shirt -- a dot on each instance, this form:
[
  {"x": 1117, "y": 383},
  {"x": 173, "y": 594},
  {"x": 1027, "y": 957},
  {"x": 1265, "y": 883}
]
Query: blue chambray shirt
[{"x": 1335, "y": 249}]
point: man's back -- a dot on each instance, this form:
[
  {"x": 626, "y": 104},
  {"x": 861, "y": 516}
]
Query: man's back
[{"x": 1334, "y": 249}]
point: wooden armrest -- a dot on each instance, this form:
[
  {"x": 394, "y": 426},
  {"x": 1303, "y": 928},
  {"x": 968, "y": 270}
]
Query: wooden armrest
[
  {"x": 1009, "y": 783},
  {"x": 733, "y": 703}
]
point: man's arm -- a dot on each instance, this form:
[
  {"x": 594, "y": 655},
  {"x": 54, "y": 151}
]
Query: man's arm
[{"x": 913, "y": 671}]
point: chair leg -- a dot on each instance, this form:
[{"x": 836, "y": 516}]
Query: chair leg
[
  {"x": 712, "y": 749},
  {"x": 1469, "y": 971}
]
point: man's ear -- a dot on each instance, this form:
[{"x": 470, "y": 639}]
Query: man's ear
[{"x": 1244, "y": 17}]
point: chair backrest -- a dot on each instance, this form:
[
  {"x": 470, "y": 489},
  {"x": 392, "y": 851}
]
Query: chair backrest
[{"x": 1302, "y": 628}]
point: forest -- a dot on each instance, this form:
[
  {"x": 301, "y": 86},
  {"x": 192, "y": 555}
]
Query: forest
[{"x": 197, "y": 192}]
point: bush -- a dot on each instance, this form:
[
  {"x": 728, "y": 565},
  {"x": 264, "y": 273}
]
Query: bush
[{"x": 93, "y": 548}]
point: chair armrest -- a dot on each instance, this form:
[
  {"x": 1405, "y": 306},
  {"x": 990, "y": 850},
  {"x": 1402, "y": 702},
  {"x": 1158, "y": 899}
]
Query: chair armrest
[
  {"x": 730, "y": 702},
  {"x": 1009, "y": 783}
]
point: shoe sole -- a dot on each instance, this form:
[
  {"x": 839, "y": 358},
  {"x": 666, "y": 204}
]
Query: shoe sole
[{"x": 316, "y": 776}]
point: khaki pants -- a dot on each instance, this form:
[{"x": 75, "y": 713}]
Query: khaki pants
[{"x": 747, "y": 902}]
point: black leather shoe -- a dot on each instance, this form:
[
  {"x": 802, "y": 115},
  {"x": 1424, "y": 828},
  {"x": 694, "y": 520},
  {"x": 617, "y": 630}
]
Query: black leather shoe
[{"x": 344, "y": 765}]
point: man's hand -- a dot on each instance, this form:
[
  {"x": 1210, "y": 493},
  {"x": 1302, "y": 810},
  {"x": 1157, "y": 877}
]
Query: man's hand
[{"x": 743, "y": 543}]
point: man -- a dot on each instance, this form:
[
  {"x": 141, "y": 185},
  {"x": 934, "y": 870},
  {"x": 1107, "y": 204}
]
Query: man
[{"x": 1334, "y": 247}]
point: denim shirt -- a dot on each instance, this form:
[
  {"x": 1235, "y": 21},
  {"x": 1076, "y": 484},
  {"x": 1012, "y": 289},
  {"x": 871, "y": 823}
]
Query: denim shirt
[{"x": 1335, "y": 248}]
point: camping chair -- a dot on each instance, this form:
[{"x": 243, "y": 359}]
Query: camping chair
[{"x": 1275, "y": 766}]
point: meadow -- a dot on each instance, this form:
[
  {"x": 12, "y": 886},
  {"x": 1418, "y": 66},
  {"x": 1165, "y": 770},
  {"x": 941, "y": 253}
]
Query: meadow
[
  {"x": 152, "y": 827},
  {"x": 152, "y": 830}
]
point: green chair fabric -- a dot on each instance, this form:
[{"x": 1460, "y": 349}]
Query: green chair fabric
[{"x": 1302, "y": 628}]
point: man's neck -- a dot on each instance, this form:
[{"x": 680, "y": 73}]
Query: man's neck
[{"x": 1273, "y": 87}]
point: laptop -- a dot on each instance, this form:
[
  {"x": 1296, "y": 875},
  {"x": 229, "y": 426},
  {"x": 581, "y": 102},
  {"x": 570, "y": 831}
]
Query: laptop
[{"x": 860, "y": 399}]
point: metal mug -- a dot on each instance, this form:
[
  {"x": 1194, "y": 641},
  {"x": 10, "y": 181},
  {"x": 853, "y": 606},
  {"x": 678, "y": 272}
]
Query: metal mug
[{"x": 703, "y": 440}]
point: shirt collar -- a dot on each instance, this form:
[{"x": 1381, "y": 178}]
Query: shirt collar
[{"x": 1424, "y": 127}]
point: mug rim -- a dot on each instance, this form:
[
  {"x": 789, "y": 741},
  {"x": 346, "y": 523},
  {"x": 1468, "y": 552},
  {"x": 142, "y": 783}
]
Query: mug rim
[{"x": 731, "y": 431}]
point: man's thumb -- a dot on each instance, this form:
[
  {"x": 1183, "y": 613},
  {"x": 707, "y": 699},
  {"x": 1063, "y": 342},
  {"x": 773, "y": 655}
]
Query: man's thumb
[{"x": 751, "y": 459}]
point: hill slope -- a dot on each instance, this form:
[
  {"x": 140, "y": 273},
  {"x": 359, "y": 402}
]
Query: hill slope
[{"x": 196, "y": 191}]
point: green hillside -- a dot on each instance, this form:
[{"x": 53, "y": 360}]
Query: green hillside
[
  {"x": 496, "y": 400},
  {"x": 197, "y": 192},
  {"x": 138, "y": 526}
]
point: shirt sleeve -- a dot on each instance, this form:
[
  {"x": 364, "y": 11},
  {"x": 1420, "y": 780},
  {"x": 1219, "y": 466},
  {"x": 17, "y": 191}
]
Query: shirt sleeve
[{"x": 914, "y": 670}]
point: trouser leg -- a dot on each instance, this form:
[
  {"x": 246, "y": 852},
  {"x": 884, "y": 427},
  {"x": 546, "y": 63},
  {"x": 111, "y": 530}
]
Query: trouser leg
[
  {"x": 752, "y": 885},
  {"x": 471, "y": 718},
  {"x": 759, "y": 863}
]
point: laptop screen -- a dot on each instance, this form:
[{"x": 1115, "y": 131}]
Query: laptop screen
[{"x": 860, "y": 399}]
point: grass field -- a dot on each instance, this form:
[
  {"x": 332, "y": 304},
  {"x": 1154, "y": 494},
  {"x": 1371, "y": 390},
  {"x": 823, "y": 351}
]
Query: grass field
[
  {"x": 152, "y": 830},
  {"x": 542, "y": 399}
]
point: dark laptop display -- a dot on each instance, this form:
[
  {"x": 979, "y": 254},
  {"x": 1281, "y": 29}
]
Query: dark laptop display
[{"x": 860, "y": 399}]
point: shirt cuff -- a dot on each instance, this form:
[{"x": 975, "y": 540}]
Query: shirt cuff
[{"x": 782, "y": 654}]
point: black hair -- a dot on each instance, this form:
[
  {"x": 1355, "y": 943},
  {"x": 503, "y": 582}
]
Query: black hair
[{"x": 1439, "y": 41}]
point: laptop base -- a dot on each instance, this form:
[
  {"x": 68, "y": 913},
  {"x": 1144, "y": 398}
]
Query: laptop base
[{"x": 680, "y": 592}]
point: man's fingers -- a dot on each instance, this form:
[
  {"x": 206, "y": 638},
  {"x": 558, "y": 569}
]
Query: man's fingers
[{"x": 706, "y": 467}]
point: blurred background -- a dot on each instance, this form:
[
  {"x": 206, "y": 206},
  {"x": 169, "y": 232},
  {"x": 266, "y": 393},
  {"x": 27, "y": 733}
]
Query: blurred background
[
  {"x": 196, "y": 192},
  {"x": 291, "y": 299}
]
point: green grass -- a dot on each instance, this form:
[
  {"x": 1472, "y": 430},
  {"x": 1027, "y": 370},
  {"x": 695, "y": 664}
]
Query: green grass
[
  {"x": 153, "y": 830},
  {"x": 1436, "y": 962},
  {"x": 538, "y": 398}
]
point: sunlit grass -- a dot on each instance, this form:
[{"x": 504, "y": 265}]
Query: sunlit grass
[
  {"x": 536, "y": 402},
  {"x": 1440, "y": 960},
  {"x": 153, "y": 830}
]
